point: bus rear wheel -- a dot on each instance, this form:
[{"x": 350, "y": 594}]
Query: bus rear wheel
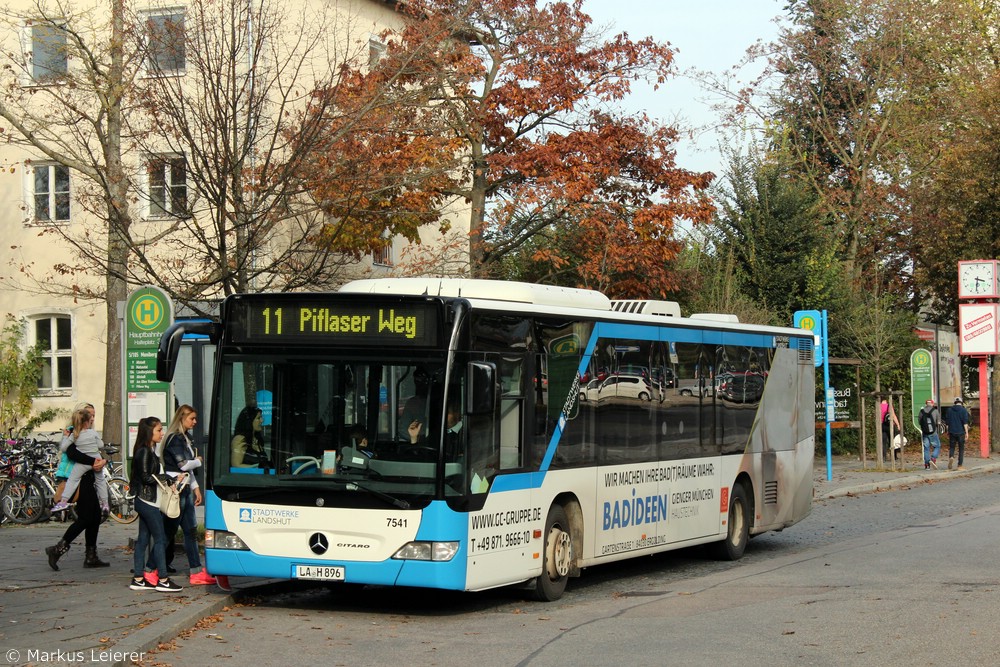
[
  {"x": 557, "y": 555},
  {"x": 737, "y": 526}
]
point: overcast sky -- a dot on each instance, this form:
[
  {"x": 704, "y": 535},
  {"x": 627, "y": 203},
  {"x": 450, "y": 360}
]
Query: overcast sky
[{"x": 709, "y": 35}]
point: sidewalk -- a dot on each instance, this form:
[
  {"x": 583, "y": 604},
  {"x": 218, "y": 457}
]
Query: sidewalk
[
  {"x": 89, "y": 616},
  {"x": 850, "y": 476}
]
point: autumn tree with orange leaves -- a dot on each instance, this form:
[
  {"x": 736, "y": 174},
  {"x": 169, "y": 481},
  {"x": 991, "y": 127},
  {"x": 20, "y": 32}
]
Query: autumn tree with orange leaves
[{"x": 519, "y": 122}]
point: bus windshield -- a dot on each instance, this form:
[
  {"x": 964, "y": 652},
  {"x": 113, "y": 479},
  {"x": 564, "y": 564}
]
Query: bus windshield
[{"x": 345, "y": 425}]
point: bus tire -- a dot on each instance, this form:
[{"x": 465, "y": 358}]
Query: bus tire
[
  {"x": 737, "y": 526},
  {"x": 557, "y": 556}
]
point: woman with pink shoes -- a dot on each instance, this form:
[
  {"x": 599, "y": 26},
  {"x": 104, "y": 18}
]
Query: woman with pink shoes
[
  {"x": 179, "y": 458},
  {"x": 146, "y": 468}
]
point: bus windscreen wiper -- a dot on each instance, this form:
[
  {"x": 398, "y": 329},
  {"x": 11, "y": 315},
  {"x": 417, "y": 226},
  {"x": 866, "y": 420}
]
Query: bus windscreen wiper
[{"x": 392, "y": 500}]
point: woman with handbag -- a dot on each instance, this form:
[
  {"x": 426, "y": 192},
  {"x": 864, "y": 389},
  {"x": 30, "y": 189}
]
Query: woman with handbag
[
  {"x": 151, "y": 487},
  {"x": 179, "y": 457}
]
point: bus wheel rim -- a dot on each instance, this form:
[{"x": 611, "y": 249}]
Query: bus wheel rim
[
  {"x": 736, "y": 521},
  {"x": 559, "y": 553}
]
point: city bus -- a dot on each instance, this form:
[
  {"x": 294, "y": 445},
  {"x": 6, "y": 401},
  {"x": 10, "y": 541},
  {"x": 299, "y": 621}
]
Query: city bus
[{"x": 469, "y": 434}]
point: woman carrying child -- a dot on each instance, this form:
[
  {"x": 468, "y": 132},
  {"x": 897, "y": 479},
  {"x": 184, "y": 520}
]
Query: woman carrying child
[{"x": 89, "y": 443}]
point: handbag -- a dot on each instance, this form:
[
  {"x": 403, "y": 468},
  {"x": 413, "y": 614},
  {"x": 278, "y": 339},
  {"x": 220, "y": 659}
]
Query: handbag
[{"x": 170, "y": 498}]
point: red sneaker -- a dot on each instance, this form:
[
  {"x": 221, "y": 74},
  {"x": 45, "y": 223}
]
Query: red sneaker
[
  {"x": 202, "y": 578},
  {"x": 152, "y": 578},
  {"x": 223, "y": 582}
]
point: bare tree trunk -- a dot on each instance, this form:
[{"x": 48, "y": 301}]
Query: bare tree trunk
[
  {"x": 118, "y": 220},
  {"x": 477, "y": 255}
]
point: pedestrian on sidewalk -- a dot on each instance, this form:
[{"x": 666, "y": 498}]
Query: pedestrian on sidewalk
[
  {"x": 88, "y": 514},
  {"x": 146, "y": 468},
  {"x": 62, "y": 472},
  {"x": 930, "y": 421},
  {"x": 957, "y": 419},
  {"x": 889, "y": 419},
  {"x": 88, "y": 442},
  {"x": 179, "y": 457}
]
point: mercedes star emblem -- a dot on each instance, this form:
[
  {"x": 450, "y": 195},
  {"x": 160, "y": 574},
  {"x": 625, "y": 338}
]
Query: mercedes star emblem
[{"x": 318, "y": 543}]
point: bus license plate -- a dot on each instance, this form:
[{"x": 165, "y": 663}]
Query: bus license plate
[{"x": 319, "y": 572}]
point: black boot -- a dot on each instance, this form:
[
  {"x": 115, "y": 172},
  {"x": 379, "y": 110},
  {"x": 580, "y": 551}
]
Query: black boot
[
  {"x": 91, "y": 559},
  {"x": 55, "y": 552}
]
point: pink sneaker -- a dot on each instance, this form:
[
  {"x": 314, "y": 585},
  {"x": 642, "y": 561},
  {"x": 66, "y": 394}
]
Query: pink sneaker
[
  {"x": 202, "y": 578},
  {"x": 152, "y": 578}
]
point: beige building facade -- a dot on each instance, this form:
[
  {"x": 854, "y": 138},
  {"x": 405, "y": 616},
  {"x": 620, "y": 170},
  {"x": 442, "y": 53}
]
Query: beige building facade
[{"x": 50, "y": 199}]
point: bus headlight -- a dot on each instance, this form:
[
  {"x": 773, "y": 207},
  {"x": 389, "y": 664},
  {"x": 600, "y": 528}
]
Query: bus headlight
[
  {"x": 221, "y": 539},
  {"x": 434, "y": 551}
]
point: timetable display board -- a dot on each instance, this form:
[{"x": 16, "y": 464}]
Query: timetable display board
[{"x": 332, "y": 320}]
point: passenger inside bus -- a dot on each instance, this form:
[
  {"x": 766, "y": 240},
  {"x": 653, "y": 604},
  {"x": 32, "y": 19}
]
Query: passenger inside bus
[
  {"x": 453, "y": 439},
  {"x": 247, "y": 446},
  {"x": 415, "y": 408},
  {"x": 359, "y": 442}
]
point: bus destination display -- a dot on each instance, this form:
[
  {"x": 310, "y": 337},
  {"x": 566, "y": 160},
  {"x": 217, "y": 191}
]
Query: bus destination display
[{"x": 334, "y": 324}]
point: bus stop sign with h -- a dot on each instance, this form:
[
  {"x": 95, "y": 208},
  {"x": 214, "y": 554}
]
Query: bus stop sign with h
[{"x": 816, "y": 321}]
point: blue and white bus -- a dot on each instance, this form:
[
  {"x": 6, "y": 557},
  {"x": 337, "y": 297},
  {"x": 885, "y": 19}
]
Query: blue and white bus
[{"x": 470, "y": 434}]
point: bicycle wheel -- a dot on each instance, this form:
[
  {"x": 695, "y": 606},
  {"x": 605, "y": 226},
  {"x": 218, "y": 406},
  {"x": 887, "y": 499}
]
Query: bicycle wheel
[
  {"x": 121, "y": 500},
  {"x": 3, "y": 500},
  {"x": 23, "y": 500}
]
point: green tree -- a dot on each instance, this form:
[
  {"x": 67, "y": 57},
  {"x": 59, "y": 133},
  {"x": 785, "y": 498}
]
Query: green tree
[
  {"x": 20, "y": 370},
  {"x": 771, "y": 224},
  {"x": 862, "y": 89}
]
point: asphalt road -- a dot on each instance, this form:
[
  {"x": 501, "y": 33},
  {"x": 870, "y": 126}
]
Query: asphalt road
[{"x": 904, "y": 577}]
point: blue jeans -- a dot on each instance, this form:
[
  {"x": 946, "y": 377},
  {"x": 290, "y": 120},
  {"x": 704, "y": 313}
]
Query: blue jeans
[
  {"x": 932, "y": 447},
  {"x": 189, "y": 524},
  {"x": 150, "y": 526}
]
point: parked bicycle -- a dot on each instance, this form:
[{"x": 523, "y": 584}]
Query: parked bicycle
[
  {"x": 120, "y": 497},
  {"x": 28, "y": 488},
  {"x": 28, "y": 491}
]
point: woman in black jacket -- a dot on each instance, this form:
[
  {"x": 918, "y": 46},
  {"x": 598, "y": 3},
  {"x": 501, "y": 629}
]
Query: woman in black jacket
[
  {"x": 146, "y": 468},
  {"x": 88, "y": 515}
]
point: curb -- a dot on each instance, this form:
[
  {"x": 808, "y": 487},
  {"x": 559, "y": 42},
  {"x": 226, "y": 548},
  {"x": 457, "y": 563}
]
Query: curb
[
  {"x": 171, "y": 626},
  {"x": 168, "y": 628},
  {"x": 900, "y": 482}
]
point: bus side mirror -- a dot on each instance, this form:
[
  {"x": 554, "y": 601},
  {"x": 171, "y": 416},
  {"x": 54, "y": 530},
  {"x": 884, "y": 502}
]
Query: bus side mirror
[
  {"x": 170, "y": 344},
  {"x": 167, "y": 351},
  {"x": 482, "y": 388}
]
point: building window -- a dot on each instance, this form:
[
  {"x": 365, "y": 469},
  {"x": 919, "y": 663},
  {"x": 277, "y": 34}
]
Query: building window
[
  {"x": 50, "y": 192},
  {"x": 167, "y": 186},
  {"x": 383, "y": 256},
  {"x": 165, "y": 42},
  {"x": 48, "y": 52},
  {"x": 53, "y": 336}
]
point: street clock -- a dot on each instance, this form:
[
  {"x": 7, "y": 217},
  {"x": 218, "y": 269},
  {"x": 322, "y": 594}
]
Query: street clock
[{"x": 977, "y": 279}]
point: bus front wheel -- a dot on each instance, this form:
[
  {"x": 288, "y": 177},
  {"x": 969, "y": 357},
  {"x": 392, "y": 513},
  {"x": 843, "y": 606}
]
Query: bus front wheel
[
  {"x": 557, "y": 554},
  {"x": 737, "y": 526}
]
